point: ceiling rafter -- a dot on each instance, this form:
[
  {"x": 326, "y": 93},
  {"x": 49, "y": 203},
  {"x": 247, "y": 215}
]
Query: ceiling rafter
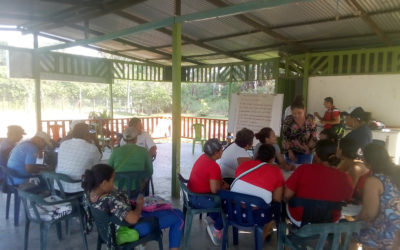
[
  {"x": 359, "y": 11},
  {"x": 244, "y": 18},
  {"x": 99, "y": 49},
  {"x": 127, "y": 42},
  {"x": 82, "y": 14},
  {"x": 189, "y": 40}
]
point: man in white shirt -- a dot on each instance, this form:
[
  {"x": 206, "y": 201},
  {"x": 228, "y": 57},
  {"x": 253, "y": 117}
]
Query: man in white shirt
[
  {"x": 75, "y": 156},
  {"x": 143, "y": 139}
]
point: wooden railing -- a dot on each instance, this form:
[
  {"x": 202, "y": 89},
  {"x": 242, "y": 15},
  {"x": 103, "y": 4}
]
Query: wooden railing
[{"x": 157, "y": 127}]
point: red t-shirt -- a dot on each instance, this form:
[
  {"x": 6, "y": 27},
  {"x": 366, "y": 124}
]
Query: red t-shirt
[
  {"x": 329, "y": 115},
  {"x": 319, "y": 182},
  {"x": 204, "y": 170},
  {"x": 268, "y": 177}
]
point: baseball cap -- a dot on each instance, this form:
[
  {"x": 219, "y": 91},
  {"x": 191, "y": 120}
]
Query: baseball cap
[
  {"x": 356, "y": 112},
  {"x": 212, "y": 146},
  {"x": 130, "y": 134},
  {"x": 45, "y": 137},
  {"x": 15, "y": 129}
]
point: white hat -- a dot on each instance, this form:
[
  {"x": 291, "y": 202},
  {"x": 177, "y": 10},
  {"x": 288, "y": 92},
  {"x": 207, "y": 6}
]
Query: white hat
[{"x": 45, "y": 137}]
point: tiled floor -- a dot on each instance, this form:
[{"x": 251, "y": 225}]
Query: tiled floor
[{"x": 12, "y": 237}]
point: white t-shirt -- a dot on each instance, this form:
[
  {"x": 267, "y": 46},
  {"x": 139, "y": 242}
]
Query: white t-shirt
[
  {"x": 228, "y": 161},
  {"x": 143, "y": 140},
  {"x": 74, "y": 157}
]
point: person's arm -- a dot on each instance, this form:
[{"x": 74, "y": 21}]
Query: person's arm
[
  {"x": 240, "y": 160},
  {"x": 153, "y": 151},
  {"x": 277, "y": 194},
  {"x": 288, "y": 194},
  {"x": 373, "y": 189},
  {"x": 318, "y": 116},
  {"x": 215, "y": 185},
  {"x": 133, "y": 216},
  {"x": 336, "y": 120},
  {"x": 313, "y": 135},
  {"x": 283, "y": 164},
  {"x": 36, "y": 168}
]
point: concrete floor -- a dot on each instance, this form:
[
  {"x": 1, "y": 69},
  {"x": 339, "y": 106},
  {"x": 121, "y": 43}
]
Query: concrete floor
[{"x": 12, "y": 237}]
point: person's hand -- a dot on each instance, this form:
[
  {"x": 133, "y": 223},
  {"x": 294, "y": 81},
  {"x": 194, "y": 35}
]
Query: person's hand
[
  {"x": 288, "y": 167},
  {"x": 316, "y": 114},
  {"x": 140, "y": 201},
  {"x": 291, "y": 156},
  {"x": 225, "y": 185}
]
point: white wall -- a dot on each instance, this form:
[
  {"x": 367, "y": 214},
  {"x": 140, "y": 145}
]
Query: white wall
[{"x": 378, "y": 94}]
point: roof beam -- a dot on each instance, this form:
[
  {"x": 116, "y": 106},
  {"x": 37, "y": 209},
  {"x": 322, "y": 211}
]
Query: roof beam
[
  {"x": 82, "y": 14},
  {"x": 127, "y": 42},
  {"x": 99, "y": 49},
  {"x": 263, "y": 28},
  {"x": 359, "y": 11},
  {"x": 184, "y": 37},
  {"x": 198, "y": 16}
]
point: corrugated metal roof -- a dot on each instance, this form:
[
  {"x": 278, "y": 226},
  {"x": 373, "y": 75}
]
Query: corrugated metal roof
[{"x": 306, "y": 21}]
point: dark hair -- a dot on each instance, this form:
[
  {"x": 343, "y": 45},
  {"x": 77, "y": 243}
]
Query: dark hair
[
  {"x": 244, "y": 137},
  {"x": 329, "y": 99},
  {"x": 379, "y": 161},
  {"x": 263, "y": 134},
  {"x": 326, "y": 151},
  {"x": 330, "y": 134},
  {"x": 212, "y": 146},
  {"x": 265, "y": 153},
  {"x": 297, "y": 103},
  {"x": 96, "y": 175},
  {"x": 134, "y": 121},
  {"x": 349, "y": 148},
  {"x": 81, "y": 130}
]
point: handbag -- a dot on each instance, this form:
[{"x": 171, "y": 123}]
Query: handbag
[
  {"x": 155, "y": 203},
  {"x": 126, "y": 235}
]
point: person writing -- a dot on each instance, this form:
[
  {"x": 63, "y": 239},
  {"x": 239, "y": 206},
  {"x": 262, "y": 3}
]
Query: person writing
[
  {"x": 98, "y": 184},
  {"x": 205, "y": 178},
  {"x": 299, "y": 135}
]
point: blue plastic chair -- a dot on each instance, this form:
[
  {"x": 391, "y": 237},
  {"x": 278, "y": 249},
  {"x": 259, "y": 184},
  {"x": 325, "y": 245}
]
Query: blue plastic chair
[
  {"x": 105, "y": 224},
  {"x": 317, "y": 231},
  {"x": 245, "y": 212},
  {"x": 11, "y": 189},
  {"x": 189, "y": 211}
]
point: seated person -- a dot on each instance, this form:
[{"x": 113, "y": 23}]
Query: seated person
[
  {"x": 131, "y": 157},
  {"x": 357, "y": 119},
  {"x": 331, "y": 116},
  {"x": 267, "y": 136},
  {"x": 14, "y": 135},
  {"x": 143, "y": 139},
  {"x": 205, "y": 178},
  {"x": 92, "y": 135},
  {"x": 98, "y": 184},
  {"x": 266, "y": 181},
  {"x": 318, "y": 181},
  {"x": 236, "y": 153},
  {"x": 352, "y": 165},
  {"x": 75, "y": 156},
  {"x": 24, "y": 155},
  {"x": 380, "y": 202}
]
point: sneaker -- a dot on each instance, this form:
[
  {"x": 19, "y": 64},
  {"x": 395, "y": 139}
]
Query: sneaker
[
  {"x": 215, "y": 235},
  {"x": 209, "y": 221}
]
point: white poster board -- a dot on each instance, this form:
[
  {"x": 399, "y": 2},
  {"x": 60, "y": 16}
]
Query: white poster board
[
  {"x": 255, "y": 111},
  {"x": 378, "y": 94}
]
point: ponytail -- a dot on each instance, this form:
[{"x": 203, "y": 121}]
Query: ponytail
[
  {"x": 326, "y": 152},
  {"x": 93, "y": 177}
]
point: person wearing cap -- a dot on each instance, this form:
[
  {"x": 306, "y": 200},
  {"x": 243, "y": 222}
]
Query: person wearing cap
[
  {"x": 14, "y": 135},
  {"x": 23, "y": 156},
  {"x": 205, "y": 178},
  {"x": 143, "y": 139},
  {"x": 75, "y": 156},
  {"x": 331, "y": 116},
  {"x": 131, "y": 157},
  {"x": 357, "y": 119}
]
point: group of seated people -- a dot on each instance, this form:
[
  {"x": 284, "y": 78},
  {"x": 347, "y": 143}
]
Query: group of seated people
[
  {"x": 352, "y": 170},
  {"x": 79, "y": 157}
]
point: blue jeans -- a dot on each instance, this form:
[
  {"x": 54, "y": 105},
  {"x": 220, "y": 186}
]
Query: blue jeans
[
  {"x": 301, "y": 158},
  {"x": 206, "y": 202},
  {"x": 172, "y": 218}
]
